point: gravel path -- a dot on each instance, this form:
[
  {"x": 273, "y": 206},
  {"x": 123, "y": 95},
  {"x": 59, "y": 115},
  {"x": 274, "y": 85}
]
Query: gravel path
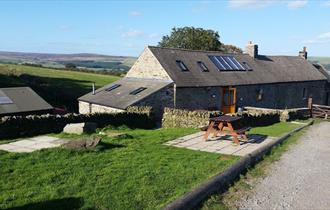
[{"x": 300, "y": 179}]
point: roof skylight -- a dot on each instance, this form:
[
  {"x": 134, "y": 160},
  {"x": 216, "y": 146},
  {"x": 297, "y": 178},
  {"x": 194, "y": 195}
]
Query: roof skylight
[
  {"x": 202, "y": 66},
  {"x": 136, "y": 91},
  {"x": 112, "y": 87},
  {"x": 181, "y": 65}
]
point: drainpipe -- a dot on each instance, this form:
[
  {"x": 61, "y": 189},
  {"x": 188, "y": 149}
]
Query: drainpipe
[
  {"x": 174, "y": 95},
  {"x": 93, "y": 88}
]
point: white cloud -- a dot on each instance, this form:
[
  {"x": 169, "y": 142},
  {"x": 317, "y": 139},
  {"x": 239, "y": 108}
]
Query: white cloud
[
  {"x": 132, "y": 33},
  {"x": 321, "y": 38},
  {"x": 297, "y": 4},
  {"x": 135, "y": 13},
  {"x": 250, "y": 3}
]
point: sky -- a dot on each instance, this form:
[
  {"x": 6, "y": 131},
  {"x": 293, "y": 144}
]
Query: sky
[{"x": 279, "y": 27}]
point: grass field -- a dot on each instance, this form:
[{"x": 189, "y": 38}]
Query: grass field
[
  {"x": 135, "y": 171},
  {"x": 60, "y": 88}
]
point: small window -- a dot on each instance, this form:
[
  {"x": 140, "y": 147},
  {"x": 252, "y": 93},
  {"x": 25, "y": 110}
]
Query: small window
[
  {"x": 247, "y": 67},
  {"x": 5, "y": 100},
  {"x": 112, "y": 87},
  {"x": 182, "y": 66},
  {"x": 136, "y": 91},
  {"x": 304, "y": 93},
  {"x": 260, "y": 94},
  {"x": 202, "y": 66}
]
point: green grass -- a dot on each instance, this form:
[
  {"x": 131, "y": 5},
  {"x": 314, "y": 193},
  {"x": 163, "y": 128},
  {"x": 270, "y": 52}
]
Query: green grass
[
  {"x": 136, "y": 172},
  {"x": 242, "y": 188},
  {"x": 275, "y": 130},
  {"x": 59, "y": 87}
]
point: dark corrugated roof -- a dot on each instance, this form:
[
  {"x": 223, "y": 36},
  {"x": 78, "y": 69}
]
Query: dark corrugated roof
[
  {"x": 24, "y": 99},
  {"x": 266, "y": 69},
  {"x": 120, "y": 97}
]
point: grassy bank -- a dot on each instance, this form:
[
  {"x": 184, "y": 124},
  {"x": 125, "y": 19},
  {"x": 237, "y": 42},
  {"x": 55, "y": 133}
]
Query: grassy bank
[
  {"x": 58, "y": 87},
  {"x": 134, "y": 171}
]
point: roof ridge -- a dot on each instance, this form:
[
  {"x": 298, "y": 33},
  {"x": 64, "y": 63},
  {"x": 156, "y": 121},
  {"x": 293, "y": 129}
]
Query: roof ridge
[{"x": 189, "y": 50}]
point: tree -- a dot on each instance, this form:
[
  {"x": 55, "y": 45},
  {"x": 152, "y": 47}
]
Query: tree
[
  {"x": 196, "y": 39},
  {"x": 70, "y": 66}
]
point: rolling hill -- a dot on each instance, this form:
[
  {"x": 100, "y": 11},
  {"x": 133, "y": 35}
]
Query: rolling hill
[
  {"x": 325, "y": 61},
  {"x": 81, "y": 60}
]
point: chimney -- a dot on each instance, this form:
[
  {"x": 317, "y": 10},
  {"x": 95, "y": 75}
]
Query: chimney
[
  {"x": 303, "y": 53},
  {"x": 252, "y": 49},
  {"x": 93, "y": 88}
]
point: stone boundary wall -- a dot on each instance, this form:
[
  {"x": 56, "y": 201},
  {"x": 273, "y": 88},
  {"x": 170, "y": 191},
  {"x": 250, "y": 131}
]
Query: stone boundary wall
[
  {"x": 252, "y": 116},
  {"x": 284, "y": 114},
  {"x": 173, "y": 118},
  {"x": 23, "y": 126}
]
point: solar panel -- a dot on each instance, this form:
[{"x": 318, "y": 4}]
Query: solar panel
[
  {"x": 229, "y": 63},
  {"x": 217, "y": 63},
  {"x": 112, "y": 87},
  {"x": 136, "y": 91},
  {"x": 5, "y": 100}
]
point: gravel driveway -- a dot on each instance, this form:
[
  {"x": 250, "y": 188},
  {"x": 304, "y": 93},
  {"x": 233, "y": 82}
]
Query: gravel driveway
[{"x": 300, "y": 179}]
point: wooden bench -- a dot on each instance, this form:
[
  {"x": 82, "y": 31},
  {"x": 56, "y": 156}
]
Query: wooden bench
[{"x": 242, "y": 132}]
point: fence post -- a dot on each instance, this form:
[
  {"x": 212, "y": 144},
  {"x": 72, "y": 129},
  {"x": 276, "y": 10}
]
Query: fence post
[{"x": 310, "y": 106}]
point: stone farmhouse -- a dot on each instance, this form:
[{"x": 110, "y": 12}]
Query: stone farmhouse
[{"x": 206, "y": 80}]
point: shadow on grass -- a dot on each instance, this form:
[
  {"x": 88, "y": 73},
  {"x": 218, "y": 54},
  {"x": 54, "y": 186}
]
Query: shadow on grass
[
  {"x": 102, "y": 146},
  {"x": 70, "y": 203}
]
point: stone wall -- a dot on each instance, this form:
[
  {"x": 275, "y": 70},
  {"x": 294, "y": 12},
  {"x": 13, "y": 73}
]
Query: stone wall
[
  {"x": 181, "y": 118},
  {"x": 281, "y": 96},
  {"x": 204, "y": 98},
  {"x": 147, "y": 66},
  {"x": 23, "y": 126},
  {"x": 284, "y": 114},
  {"x": 159, "y": 100},
  {"x": 88, "y": 108}
]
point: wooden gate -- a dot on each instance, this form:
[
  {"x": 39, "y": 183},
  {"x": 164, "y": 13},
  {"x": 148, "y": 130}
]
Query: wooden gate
[{"x": 320, "y": 111}]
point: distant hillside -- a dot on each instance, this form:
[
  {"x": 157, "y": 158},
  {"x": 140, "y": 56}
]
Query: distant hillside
[
  {"x": 81, "y": 60},
  {"x": 325, "y": 61}
]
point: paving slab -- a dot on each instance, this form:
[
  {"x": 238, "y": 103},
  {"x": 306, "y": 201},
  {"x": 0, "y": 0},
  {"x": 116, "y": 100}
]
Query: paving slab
[
  {"x": 33, "y": 144},
  {"x": 220, "y": 144}
]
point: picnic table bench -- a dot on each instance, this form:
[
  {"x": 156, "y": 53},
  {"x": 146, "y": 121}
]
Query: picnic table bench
[{"x": 224, "y": 124}]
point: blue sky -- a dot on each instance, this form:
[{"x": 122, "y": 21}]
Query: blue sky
[{"x": 125, "y": 27}]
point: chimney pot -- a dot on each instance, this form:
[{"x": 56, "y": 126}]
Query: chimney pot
[
  {"x": 252, "y": 49},
  {"x": 303, "y": 53}
]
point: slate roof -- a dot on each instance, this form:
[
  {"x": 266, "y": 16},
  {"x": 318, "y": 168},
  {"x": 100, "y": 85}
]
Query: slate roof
[
  {"x": 266, "y": 69},
  {"x": 120, "y": 97},
  {"x": 21, "y": 100}
]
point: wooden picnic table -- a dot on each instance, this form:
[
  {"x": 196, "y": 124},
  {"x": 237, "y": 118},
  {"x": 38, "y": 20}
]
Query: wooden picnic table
[{"x": 224, "y": 124}]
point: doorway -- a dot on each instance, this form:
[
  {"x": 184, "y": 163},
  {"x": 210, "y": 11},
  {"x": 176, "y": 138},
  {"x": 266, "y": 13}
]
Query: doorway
[{"x": 228, "y": 100}]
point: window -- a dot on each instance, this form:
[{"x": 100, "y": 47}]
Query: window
[
  {"x": 202, "y": 66},
  {"x": 112, "y": 87},
  {"x": 181, "y": 65},
  {"x": 260, "y": 94},
  {"x": 228, "y": 63},
  {"x": 5, "y": 100},
  {"x": 136, "y": 91},
  {"x": 304, "y": 93}
]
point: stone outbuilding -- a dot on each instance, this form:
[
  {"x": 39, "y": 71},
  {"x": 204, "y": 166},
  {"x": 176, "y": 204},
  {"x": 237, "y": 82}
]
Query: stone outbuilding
[{"x": 207, "y": 80}]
